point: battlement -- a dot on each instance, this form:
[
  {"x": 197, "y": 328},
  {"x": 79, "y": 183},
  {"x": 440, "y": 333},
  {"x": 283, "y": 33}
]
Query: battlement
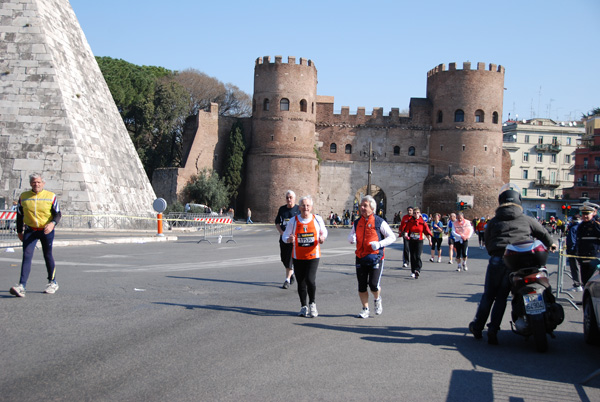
[
  {"x": 466, "y": 67},
  {"x": 279, "y": 60}
]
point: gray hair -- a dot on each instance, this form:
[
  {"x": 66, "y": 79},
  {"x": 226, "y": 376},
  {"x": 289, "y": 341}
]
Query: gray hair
[
  {"x": 36, "y": 176},
  {"x": 306, "y": 197},
  {"x": 370, "y": 200},
  {"x": 290, "y": 192}
]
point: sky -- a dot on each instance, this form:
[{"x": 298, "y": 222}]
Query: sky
[{"x": 367, "y": 54}]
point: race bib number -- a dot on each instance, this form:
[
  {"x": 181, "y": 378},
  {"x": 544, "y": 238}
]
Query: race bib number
[
  {"x": 415, "y": 236},
  {"x": 306, "y": 239}
]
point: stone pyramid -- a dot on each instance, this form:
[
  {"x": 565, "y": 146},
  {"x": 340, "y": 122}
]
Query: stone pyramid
[{"x": 58, "y": 118}]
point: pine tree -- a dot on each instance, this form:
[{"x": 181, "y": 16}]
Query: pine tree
[{"x": 234, "y": 161}]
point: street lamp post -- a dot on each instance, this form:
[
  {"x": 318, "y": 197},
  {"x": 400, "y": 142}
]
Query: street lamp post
[{"x": 369, "y": 171}]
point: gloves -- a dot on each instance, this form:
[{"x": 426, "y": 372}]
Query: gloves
[{"x": 375, "y": 245}]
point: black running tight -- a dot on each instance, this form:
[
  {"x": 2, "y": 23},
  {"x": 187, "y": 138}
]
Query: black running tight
[{"x": 306, "y": 276}]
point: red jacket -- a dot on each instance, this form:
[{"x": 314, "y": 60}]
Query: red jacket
[
  {"x": 403, "y": 223},
  {"x": 416, "y": 228}
]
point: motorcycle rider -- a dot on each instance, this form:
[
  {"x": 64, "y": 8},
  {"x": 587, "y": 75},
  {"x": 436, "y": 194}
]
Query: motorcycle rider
[{"x": 508, "y": 226}]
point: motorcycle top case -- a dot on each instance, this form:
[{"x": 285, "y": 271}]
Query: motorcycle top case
[{"x": 531, "y": 253}]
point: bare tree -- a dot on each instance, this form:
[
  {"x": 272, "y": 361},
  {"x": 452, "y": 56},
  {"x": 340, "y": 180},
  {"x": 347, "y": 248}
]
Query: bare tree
[{"x": 205, "y": 90}]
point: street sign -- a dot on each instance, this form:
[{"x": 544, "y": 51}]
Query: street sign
[{"x": 543, "y": 206}]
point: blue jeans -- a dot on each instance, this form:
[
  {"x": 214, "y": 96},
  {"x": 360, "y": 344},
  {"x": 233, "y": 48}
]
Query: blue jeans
[
  {"x": 495, "y": 294},
  {"x": 30, "y": 238}
]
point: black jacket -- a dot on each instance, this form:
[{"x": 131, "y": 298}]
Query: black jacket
[{"x": 509, "y": 226}]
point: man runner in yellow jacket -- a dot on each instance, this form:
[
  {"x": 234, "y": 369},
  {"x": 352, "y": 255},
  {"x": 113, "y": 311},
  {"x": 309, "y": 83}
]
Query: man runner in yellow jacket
[{"x": 38, "y": 213}]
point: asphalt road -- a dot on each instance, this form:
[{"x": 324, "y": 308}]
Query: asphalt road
[{"x": 183, "y": 321}]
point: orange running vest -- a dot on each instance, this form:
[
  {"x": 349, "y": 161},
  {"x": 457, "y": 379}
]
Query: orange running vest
[{"x": 306, "y": 245}]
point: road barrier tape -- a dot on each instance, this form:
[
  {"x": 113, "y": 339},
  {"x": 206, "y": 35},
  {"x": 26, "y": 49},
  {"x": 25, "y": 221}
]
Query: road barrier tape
[{"x": 214, "y": 220}]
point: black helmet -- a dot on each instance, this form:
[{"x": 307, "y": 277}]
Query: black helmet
[{"x": 511, "y": 196}]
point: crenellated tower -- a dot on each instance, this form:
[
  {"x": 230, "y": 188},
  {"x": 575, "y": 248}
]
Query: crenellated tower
[
  {"x": 282, "y": 154},
  {"x": 465, "y": 145}
]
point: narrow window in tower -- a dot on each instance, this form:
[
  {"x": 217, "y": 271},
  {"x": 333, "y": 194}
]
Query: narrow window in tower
[
  {"x": 493, "y": 172},
  {"x": 272, "y": 137},
  {"x": 396, "y": 150},
  {"x": 464, "y": 147},
  {"x": 459, "y": 116},
  {"x": 441, "y": 147},
  {"x": 485, "y": 148},
  {"x": 495, "y": 117},
  {"x": 348, "y": 149},
  {"x": 294, "y": 139},
  {"x": 440, "y": 116},
  {"x": 431, "y": 169},
  {"x": 312, "y": 107},
  {"x": 333, "y": 148},
  {"x": 449, "y": 170},
  {"x": 411, "y": 151},
  {"x": 479, "y": 116},
  {"x": 266, "y": 104},
  {"x": 284, "y": 105},
  {"x": 474, "y": 171},
  {"x": 303, "y": 105}
]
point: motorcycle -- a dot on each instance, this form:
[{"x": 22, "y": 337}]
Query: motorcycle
[{"x": 534, "y": 308}]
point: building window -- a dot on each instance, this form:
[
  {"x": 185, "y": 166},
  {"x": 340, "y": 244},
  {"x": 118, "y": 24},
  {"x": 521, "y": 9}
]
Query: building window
[
  {"x": 333, "y": 148},
  {"x": 584, "y": 194},
  {"x": 568, "y": 140},
  {"x": 348, "y": 149},
  {"x": 585, "y": 163},
  {"x": 539, "y": 157},
  {"x": 527, "y": 139},
  {"x": 459, "y": 116},
  {"x": 541, "y": 139},
  {"x": 464, "y": 147},
  {"x": 553, "y": 158},
  {"x": 567, "y": 158},
  {"x": 495, "y": 117},
  {"x": 538, "y": 174},
  {"x": 485, "y": 148},
  {"x": 284, "y": 104},
  {"x": 440, "y": 116},
  {"x": 441, "y": 147},
  {"x": 524, "y": 191},
  {"x": 538, "y": 192},
  {"x": 396, "y": 150},
  {"x": 525, "y": 174},
  {"x": 479, "y": 116},
  {"x": 312, "y": 107},
  {"x": 411, "y": 151},
  {"x": 553, "y": 177},
  {"x": 566, "y": 175},
  {"x": 525, "y": 156},
  {"x": 303, "y": 105},
  {"x": 266, "y": 104},
  {"x": 554, "y": 140}
]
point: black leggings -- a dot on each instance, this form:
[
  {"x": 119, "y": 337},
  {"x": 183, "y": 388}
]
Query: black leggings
[
  {"x": 306, "y": 276},
  {"x": 416, "y": 248}
]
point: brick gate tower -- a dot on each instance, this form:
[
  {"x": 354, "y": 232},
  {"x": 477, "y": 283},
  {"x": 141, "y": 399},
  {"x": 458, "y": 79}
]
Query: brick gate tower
[
  {"x": 281, "y": 155},
  {"x": 465, "y": 146}
]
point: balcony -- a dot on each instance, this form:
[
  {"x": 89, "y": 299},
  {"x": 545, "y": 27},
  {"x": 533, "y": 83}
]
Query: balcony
[
  {"x": 543, "y": 182},
  {"x": 587, "y": 184},
  {"x": 555, "y": 147}
]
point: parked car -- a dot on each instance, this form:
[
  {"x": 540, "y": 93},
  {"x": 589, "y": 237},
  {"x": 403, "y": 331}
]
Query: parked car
[{"x": 591, "y": 309}]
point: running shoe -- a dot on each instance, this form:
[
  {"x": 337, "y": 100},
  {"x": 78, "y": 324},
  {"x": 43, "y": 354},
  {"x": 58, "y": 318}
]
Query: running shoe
[
  {"x": 575, "y": 289},
  {"x": 405, "y": 265},
  {"x": 292, "y": 279},
  {"x": 378, "y": 306},
  {"x": 458, "y": 268},
  {"x": 450, "y": 262},
  {"x": 465, "y": 267},
  {"x": 412, "y": 275},
  {"x": 18, "y": 290},
  {"x": 286, "y": 285},
  {"x": 440, "y": 259},
  {"x": 364, "y": 313},
  {"x": 51, "y": 288},
  {"x": 313, "y": 310},
  {"x": 303, "y": 312},
  {"x": 417, "y": 273},
  {"x": 477, "y": 333},
  {"x": 431, "y": 259}
]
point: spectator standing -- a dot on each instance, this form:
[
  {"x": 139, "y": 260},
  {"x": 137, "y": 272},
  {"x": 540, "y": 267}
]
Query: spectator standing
[
  {"x": 249, "y": 216},
  {"x": 574, "y": 264},
  {"x": 480, "y": 228},
  {"x": 38, "y": 213}
]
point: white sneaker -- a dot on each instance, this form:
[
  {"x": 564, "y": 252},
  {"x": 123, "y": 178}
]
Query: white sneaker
[
  {"x": 458, "y": 268},
  {"x": 465, "y": 268},
  {"x": 18, "y": 290},
  {"x": 364, "y": 313},
  {"x": 440, "y": 259},
  {"x": 575, "y": 289},
  {"x": 313, "y": 310},
  {"x": 431, "y": 259},
  {"x": 412, "y": 275},
  {"x": 303, "y": 312},
  {"x": 51, "y": 288},
  {"x": 450, "y": 262},
  {"x": 378, "y": 306},
  {"x": 405, "y": 265}
]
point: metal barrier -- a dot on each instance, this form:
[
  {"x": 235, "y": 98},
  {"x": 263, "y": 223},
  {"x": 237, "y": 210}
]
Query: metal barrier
[
  {"x": 216, "y": 227},
  {"x": 8, "y": 228},
  {"x": 561, "y": 271},
  {"x": 108, "y": 222}
]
